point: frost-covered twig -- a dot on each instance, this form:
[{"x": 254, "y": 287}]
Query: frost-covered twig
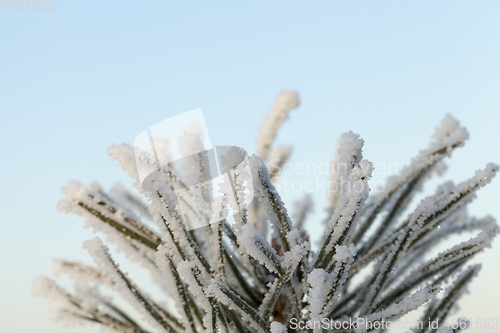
[
  {"x": 232, "y": 277},
  {"x": 284, "y": 102}
]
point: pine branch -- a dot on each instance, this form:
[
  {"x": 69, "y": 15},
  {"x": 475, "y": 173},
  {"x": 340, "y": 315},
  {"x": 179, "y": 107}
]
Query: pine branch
[{"x": 229, "y": 278}]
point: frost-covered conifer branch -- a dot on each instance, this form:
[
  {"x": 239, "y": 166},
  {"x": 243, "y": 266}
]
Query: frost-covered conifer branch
[
  {"x": 353, "y": 183},
  {"x": 447, "y": 137},
  {"x": 408, "y": 304},
  {"x": 274, "y": 207},
  {"x": 125, "y": 287},
  {"x": 291, "y": 260},
  {"x": 459, "y": 253},
  {"x": 430, "y": 212},
  {"x": 439, "y": 311},
  {"x": 284, "y": 102},
  {"x": 233, "y": 277},
  {"x": 75, "y": 310},
  {"x": 279, "y": 156}
]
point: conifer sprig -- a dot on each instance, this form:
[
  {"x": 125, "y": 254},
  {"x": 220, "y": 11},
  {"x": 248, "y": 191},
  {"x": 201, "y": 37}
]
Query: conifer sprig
[{"x": 235, "y": 277}]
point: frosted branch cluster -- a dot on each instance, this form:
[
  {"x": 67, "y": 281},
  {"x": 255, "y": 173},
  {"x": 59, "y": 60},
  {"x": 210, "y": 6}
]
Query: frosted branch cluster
[{"x": 257, "y": 272}]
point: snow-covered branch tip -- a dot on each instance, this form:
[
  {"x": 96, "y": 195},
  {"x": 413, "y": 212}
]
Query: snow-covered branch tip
[{"x": 257, "y": 272}]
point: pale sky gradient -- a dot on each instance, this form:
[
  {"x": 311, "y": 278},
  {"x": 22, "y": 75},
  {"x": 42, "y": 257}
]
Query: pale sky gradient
[{"x": 94, "y": 73}]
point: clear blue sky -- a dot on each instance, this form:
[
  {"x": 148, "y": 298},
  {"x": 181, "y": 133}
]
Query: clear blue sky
[{"x": 93, "y": 73}]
